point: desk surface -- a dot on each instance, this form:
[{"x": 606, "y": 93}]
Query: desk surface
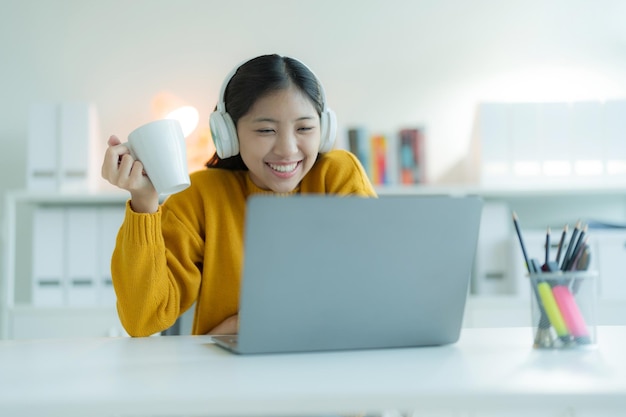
[{"x": 186, "y": 375}]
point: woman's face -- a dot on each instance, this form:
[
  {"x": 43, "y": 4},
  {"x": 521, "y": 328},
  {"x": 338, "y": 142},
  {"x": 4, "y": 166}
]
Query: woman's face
[{"x": 279, "y": 139}]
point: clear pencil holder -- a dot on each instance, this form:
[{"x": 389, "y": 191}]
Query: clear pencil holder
[{"x": 563, "y": 309}]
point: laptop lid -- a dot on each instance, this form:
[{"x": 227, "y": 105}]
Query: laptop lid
[{"x": 330, "y": 273}]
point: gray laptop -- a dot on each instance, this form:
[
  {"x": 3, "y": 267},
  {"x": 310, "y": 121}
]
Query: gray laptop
[{"x": 333, "y": 273}]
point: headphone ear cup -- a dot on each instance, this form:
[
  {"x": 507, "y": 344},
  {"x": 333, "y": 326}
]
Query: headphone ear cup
[
  {"x": 328, "y": 128},
  {"x": 224, "y": 134}
]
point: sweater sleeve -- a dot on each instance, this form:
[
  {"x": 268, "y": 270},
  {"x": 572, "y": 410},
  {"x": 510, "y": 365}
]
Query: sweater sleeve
[{"x": 154, "y": 284}]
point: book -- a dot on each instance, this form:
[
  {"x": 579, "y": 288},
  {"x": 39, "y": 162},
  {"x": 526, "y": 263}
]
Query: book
[
  {"x": 379, "y": 160},
  {"x": 412, "y": 156},
  {"x": 390, "y": 159},
  {"x": 359, "y": 145}
]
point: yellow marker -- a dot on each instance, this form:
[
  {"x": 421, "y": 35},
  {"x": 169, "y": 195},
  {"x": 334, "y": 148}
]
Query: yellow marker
[{"x": 552, "y": 310}]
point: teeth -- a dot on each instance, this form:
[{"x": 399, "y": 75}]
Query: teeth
[{"x": 284, "y": 168}]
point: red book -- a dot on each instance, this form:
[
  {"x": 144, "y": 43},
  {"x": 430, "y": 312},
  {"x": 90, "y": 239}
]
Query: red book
[{"x": 379, "y": 160}]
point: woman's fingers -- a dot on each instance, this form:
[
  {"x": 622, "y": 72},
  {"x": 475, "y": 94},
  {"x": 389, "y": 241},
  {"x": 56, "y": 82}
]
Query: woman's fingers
[
  {"x": 113, "y": 140},
  {"x": 112, "y": 159},
  {"x": 229, "y": 326},
  {"x": 125, "y": 172}
]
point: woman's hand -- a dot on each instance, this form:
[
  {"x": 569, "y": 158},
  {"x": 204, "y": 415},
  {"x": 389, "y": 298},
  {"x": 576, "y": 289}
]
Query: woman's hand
[
  {"x": 228, "y": 326},
  {"x": 125, "y": 172}
]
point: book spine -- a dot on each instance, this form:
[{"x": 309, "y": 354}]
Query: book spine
[
  {"x": 412, "y": 156},
  {"x": 358, "y": 143},
  {"x": 379, "y": 160}
]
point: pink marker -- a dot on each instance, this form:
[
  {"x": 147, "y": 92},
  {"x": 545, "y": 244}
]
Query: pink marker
[{"x": 572, "y": 316}]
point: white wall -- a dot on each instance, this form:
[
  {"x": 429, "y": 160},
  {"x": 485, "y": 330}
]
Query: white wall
[{"x": 384, "y": 63}]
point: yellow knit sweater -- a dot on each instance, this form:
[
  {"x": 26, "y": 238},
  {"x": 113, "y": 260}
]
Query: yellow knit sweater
[{"x": 191, "y": 249}]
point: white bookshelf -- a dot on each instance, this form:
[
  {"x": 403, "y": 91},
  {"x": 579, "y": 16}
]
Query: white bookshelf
[
  {"x": 19, "y": 318},
  {"x": 537, "y": 207}
]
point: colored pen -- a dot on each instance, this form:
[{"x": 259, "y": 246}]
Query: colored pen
[
  {"x": 552, "y": 310},
  {"x": 544, "y": 321},
  {"x": 572, "y": 316}
]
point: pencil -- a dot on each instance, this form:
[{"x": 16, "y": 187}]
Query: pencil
[
  {"x": 585, "y": 259},
  {"x": 579, "y": 242},
  {"x": 570, "y": 246},
  {"x": 547, "y": 246},
  {"x": 581, "y": 265},
  {"x": 544, "y": 321},
  {"x": 560, "y": 247},
  {"x": 573, "y": 264},
  {"x": 521, "y": 242}
]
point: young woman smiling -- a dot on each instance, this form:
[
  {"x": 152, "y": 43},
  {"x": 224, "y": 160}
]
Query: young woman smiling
[{"x": 274, "y": 134}]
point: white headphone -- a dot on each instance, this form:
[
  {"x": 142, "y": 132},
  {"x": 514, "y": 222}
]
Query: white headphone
[{"x": 224, "y": 132}]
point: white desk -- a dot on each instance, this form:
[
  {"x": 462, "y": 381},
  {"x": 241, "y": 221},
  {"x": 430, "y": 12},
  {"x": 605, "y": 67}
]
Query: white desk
[{"x": 488, "y": 371}]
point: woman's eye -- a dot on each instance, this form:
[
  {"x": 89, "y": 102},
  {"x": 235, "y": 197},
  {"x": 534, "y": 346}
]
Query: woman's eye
[
  {"x": 306, "y": 128},
  {"x": 265, "y": 131}
]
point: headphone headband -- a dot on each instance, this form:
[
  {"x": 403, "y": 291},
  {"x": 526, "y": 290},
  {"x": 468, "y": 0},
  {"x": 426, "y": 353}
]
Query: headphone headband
[
  {"x": 221, "y": 104},
  {"x": 224, "y": 132}
]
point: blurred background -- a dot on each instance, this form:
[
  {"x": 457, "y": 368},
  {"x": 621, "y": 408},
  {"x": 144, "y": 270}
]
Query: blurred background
[
  {"x": 385, "y": 64},
  {"x": 97, "y": 68}
]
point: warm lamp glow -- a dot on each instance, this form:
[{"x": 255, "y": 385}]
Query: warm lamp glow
[
  {"x": 199, "y": 148},
  {"x": 198, "y": 140},
  {"x": 168, "y": 106},
  {"x": 187, "y": 116}
]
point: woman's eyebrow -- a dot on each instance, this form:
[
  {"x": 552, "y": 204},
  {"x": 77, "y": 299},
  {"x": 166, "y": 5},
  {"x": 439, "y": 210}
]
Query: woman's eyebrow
[
  {"x": 269, "y": 119},
  {"x": 305, "y": 118},
  {"x": 264, "y": 119}
]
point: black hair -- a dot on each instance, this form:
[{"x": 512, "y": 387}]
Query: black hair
[{"x": 256, "y": 78}]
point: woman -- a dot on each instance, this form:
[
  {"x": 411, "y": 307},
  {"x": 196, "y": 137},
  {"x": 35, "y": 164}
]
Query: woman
[{"x": 273, "y": 133}]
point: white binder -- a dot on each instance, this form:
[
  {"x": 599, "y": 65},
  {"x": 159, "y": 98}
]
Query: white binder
[
  {"x": 42, "y": 155},
  {"x": 492, "y": 272},
  {"x": 525, "y": 142},
  {"x": 80, "y": 255},
  {"x": 587, "y": 140},
  {"x": 77, "y": 131},
  {"x": 47, "y": 267},
  {"x": 109, "y": 221},
  {"x": 610, "y": 255},
  {"x": 615, "y": 140},
  {"x": 554, "y": 140},
  {"x": 494, "y": 134}
]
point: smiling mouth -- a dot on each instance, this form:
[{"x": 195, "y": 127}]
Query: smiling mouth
[{"x": 284, "y": 168}]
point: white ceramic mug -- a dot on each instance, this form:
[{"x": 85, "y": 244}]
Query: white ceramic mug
[{"x": 160, "y": 146}]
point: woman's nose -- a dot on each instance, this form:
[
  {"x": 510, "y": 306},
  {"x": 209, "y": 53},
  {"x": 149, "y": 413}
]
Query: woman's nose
[{"x": 286, "y": 144}]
